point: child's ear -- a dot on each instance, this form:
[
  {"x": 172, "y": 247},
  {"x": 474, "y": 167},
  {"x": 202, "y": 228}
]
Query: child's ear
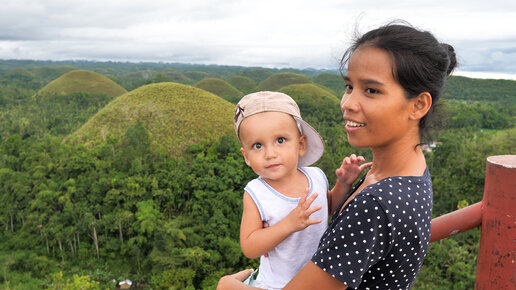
[
  {"x": 302, "y": 145},
  {"x": 245, "y": 157},
  {"x": 420, "y": 106}
]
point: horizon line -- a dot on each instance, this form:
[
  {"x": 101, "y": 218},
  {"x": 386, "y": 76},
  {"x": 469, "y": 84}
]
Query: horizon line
[{"x": 465, "y": 73}]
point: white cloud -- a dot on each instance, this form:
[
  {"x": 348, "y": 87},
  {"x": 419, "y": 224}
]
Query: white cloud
[{"x": 269, "y": 33}]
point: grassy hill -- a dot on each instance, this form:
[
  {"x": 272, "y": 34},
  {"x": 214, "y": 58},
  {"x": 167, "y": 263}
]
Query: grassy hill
[
  {"x": 82, "y": 81},
  {"x": 332, "y": 81},
  {"x": 280, "y": 80},
  {"x": 175, "y": 115},
  {"x": 179, "y": 78},
  {"x": 316, "y": 104},
  {"x": 244, "y": 84},
  {"x": 196, "y": 75},
  {"x": 220, "y": 88},
  {"x": 257, "y": 75}
]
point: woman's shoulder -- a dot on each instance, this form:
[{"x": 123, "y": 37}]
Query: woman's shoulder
[{"x": 398, "y": 182}]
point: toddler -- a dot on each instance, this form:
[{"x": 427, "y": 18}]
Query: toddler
[{"x": 279, "y": 146}]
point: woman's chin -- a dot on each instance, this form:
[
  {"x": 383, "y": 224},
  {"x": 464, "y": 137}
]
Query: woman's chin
[{"x": 356, "y": 143}]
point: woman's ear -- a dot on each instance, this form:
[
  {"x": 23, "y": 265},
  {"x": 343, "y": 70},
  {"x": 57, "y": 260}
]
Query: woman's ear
[
  {"x": 302, "y": 145},
  {"x": 421, "y": 105}
]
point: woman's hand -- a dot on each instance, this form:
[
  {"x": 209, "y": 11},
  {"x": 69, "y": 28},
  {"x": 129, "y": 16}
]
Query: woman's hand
[{"x": 234, "y": 281}]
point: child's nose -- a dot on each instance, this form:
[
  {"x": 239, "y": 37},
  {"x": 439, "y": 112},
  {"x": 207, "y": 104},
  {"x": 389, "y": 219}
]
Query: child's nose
[{"x": 270, "y": 152}]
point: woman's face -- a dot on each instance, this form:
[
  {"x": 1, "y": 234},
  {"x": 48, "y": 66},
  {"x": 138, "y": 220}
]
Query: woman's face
[{"x": 374, "y": 105}]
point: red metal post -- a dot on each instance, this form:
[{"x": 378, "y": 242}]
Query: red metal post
[
  {"x": 456, "y": 222},
  {"x": 496, "y": 268}
]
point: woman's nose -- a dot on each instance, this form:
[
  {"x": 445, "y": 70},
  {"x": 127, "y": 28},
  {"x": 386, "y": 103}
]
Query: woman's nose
[{"x": 348, "y": 103}]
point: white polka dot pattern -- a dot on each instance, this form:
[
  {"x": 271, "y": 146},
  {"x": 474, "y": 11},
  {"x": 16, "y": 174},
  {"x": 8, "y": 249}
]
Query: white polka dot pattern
[{"x": 380, "y": 239}]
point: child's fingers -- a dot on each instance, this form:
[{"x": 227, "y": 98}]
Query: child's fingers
[
  {"x": 303, "y": 197},
  {"x": 313, "y": 222},
  {"x": 365, "y": 165},
  {"x": 313, "y": 209},
  {"x": 309, "y": 201}
]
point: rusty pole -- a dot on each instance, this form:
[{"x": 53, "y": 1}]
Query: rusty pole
[{"x": 496, "y": 268}]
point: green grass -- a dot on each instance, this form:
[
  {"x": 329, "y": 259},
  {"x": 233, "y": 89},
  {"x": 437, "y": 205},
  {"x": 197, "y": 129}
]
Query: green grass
[
  {"x": 257, "y": 75},
  {"x": 179, "y": 78},
  {"x": 77, "y": 81},
  {"x": 304, "y": 92},
  {"x": 220, "y": 88},
  {"x": 175, "y": 115},
  {"x": 243, "y": 84},
  {"x": 196, "y": 75},
  {"x": 280, "y": 80},
  {"x": 314, "y": 101},
  {"x": 332, "y": 81}
]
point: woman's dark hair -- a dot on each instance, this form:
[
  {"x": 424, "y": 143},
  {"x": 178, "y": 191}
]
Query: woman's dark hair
[{"x": 420, "y": 63}]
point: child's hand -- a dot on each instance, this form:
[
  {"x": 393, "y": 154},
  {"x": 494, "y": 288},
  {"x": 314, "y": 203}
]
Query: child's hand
[
  {"x": 351, "y": 169},
  {"x": 299, "y": 218}
]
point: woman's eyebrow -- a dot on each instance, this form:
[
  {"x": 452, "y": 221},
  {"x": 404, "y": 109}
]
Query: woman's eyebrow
[{"x": 366, "y": 81}]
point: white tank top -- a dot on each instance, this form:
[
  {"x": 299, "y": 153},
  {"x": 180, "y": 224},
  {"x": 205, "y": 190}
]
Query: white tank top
[{"x": 289, "y": 256}]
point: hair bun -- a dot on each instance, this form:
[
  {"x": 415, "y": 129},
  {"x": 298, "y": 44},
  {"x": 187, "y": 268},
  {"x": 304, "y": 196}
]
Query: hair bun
[{"x": 451, "y": 55}]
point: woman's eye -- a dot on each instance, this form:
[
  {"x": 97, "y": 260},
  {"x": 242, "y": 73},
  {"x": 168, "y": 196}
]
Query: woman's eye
[
  {"x": 371, "y": 91},
  {"x": 281, "y": 140},
  {"x": 348, "y": 88},
  {"x": 257, "y": 145}
]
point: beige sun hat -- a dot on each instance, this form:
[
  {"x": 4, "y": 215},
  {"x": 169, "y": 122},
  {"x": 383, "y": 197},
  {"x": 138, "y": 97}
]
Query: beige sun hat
[{"x": 278, "y": 102}]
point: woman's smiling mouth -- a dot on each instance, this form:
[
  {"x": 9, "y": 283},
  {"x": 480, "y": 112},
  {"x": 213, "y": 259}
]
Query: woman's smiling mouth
[{"x": 354, "y": 124}]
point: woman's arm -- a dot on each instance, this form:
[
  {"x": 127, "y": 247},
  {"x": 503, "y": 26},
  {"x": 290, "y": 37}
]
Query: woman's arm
[
  {"x": 256, "y": 240},
  {"x": 313, "y": 277},
  {"x": 310, "y": 277}
]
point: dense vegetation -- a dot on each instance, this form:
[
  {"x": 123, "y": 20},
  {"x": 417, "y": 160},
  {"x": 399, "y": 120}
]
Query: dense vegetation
[{"x": 74, "y": 216}]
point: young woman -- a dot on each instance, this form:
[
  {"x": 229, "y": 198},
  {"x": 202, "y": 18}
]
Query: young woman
[{"x": 379, "y": 235}]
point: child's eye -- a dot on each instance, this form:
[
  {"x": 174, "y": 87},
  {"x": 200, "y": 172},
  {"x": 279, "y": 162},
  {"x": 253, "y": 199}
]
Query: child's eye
[
  {"x": 348, "y": 88},
  {"x": 372, "y": 91},
  {"x": 281, "y": 140},
  {"x": 257, "y": 145}
]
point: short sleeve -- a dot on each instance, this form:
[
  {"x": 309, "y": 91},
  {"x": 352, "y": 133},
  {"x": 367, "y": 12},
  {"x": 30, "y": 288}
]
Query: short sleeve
[{"x": 357, "y": 239}]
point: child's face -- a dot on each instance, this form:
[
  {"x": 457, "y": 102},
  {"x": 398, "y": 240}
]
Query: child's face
[{"x": 272, "y": 145}]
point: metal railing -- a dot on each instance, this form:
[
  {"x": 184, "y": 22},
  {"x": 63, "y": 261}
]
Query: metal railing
[{"x": 496, "y": 214}]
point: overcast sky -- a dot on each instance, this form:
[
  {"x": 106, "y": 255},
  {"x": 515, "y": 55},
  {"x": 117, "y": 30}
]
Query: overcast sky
[{"x": 268, "y": 33}]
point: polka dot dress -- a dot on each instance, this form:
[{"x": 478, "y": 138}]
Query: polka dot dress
[{"x": 381, "y": 237}]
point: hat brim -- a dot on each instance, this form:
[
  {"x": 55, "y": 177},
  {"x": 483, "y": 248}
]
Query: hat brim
[{"x": 314, "y": 145}]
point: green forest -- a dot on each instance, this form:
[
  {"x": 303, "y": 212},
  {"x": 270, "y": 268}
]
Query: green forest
[{"x": 112, "y": 171}]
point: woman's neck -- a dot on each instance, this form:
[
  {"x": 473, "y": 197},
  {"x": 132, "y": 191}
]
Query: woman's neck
[{"x": 402, "y": 158}]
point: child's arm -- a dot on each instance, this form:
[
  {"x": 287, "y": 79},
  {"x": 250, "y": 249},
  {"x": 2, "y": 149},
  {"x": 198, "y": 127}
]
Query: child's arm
[
  {"x": 256, "y": 240},
  {"x": 347, "y": 173}
]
